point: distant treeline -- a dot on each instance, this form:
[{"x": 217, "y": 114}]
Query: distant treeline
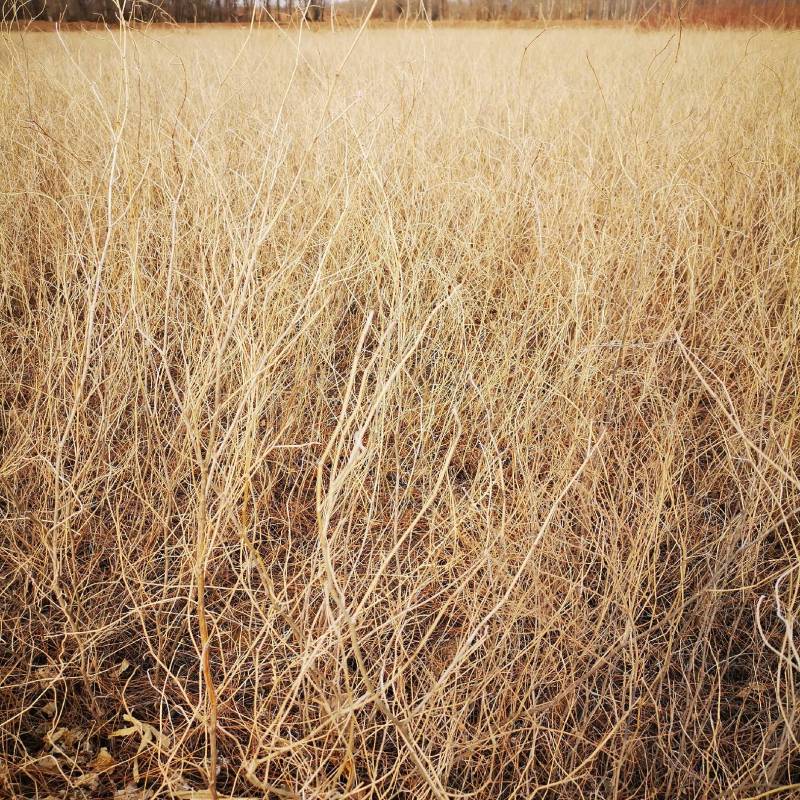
[
  {"x": 181, "y": 11},
  {"x": 784, "y": 13},
  {"x": 714, "y": 13}
]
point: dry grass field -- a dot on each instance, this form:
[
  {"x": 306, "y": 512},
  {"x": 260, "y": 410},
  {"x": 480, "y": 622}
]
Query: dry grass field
[{"x": 405, "y": 416}]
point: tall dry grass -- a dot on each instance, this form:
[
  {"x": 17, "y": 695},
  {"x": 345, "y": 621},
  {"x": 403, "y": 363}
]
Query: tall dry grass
[{"x": 417, "y": 418}]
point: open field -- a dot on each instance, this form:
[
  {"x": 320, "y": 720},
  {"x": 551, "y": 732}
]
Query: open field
[{"x": 408, "y": 417}]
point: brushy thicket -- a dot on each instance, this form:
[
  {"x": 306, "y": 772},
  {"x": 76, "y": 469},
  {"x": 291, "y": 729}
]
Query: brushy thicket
[{"x": 414, "y": 416}]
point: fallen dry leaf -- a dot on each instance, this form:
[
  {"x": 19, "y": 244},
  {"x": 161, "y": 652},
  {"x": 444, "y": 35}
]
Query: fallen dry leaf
[
  {"x": 148, "y": 734},
  {"x": 48, "y": 764},
  {"x": 50, "y": 709},
  {"x": 52, "y": 737},
  {"x": 144, "y": 729},
  {"x": 90, "y": 779},
  {"x": 103, "y": 760},
  {"x": 132, "y": 792}
]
